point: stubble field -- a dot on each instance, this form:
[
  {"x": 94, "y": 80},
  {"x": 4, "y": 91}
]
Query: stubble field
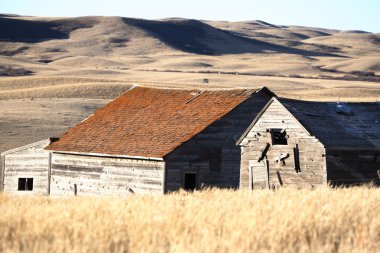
[{"x": 287, "y": 220}]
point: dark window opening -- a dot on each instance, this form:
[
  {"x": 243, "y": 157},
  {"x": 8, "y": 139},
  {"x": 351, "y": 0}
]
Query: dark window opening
[
  {"x": 215, "y": 159},
  {"x": 279, "y": 136},
  {"x": 25, "y": 184},
  {"x": 190, "y": 181}
]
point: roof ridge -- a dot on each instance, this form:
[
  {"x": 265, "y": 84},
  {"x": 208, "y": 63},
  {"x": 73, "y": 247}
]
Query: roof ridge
[{"x": 196, "y": 88}]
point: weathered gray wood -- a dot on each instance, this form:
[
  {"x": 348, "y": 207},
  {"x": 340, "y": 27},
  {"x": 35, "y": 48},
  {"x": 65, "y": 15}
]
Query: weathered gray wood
[
  {"x": 49, "y": 174},
  {"x": 223, "y": 134},
  {"x": 96, "y": 175},
  {"x": 2, "y": 168},
  {"x": 352, "y": 166},
  {"x": 30, "y": 161},
  {"x": 259, "y": 174},
  {"x": 281, "y": 167}
]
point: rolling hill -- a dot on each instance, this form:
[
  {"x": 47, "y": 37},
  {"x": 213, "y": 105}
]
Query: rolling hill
[
  {"x": 47, "y": 45},
  {"x": 55, "y": 71}
]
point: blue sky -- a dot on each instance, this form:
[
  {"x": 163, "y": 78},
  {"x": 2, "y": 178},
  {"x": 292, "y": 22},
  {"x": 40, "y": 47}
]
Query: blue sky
[{"x": 338, "y": 14}]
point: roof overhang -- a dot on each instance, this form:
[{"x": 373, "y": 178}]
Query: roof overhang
[
  {"x": 255, "y": 121},
  {"x": 47, "y": 141},
  {"x": 106, "y": 155}
]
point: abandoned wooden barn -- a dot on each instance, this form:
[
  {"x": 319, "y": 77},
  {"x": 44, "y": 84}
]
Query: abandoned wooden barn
[
  {"x": 308, "y": 144},
  {"x": 161, "y": 140},
  {"x": 155, "y": 141}
]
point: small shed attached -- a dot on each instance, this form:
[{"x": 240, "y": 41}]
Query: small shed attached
[
  {"x": 350, "y": 133},
  {"x": 25, "y": 169},
  {"x": 309, "y": 144}
]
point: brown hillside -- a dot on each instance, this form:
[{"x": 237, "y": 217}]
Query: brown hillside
[{"x": 75, "y": 60}]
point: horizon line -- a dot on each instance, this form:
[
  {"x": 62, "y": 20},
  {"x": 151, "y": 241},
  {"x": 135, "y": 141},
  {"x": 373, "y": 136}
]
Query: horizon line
[{"x": 185, "y": 18}]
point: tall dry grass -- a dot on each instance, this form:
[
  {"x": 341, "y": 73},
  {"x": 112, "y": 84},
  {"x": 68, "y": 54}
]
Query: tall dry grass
[
  {"x": 60, "y": 87},
  {"x": 323, "y": 220}
]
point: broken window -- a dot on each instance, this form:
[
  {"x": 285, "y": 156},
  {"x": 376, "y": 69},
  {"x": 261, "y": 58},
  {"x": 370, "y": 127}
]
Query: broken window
[
  {"x": 190, "y": 183},
  {"x": 279, "y": 136},
  {"x": 25, "y": 184}
]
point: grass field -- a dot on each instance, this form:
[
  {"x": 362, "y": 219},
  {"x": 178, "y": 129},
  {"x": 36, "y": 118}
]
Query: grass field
[{"x": 288, "y": 220}]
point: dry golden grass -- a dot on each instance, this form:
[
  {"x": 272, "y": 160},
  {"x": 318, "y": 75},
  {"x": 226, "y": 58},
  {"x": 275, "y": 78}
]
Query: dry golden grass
[
  {"x": 104, "y": 86},
  {"x": 26, "y": 82},
  {"x": 288, "y": 220},
  {"x": 23, "y": 121},
  {"x": 85, "y": 90}
]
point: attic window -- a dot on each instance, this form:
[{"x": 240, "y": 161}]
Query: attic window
[
  {"x": 25, "y": 184},
  {"x": 279, "y": 136}
]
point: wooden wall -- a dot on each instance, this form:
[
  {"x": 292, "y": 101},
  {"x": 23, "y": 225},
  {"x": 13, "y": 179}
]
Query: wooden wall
[
  {"x": 2, "y": 166},
  {"x": 95, "y": 175},
  {"x": 30, "y": 161},
  {"x": 308, "y": 170},
  {"x": 193, "y": 156},
  {"x": 345, "y": 167}
]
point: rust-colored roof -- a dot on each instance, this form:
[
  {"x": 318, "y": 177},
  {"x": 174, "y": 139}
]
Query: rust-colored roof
[{"x": 149, "y": 122}]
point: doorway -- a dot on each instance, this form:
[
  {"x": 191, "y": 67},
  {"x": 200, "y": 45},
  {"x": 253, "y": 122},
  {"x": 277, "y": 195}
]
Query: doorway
[
  {"x": 258, "y": 174},
  {"x": 190, "y": 181}
]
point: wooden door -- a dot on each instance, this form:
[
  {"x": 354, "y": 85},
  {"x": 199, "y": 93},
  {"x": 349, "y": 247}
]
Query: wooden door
[{"x": 258, "y": 174}]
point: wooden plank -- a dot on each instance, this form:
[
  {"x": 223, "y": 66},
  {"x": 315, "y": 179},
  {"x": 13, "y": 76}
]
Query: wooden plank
[
  {"x": 224, "y": 134},
  {"x": 309, "y": 150},
  {"x": 2, "y": 168},
  {"x": 30, "y": 161},
  {"x": 105, "y": 175}
]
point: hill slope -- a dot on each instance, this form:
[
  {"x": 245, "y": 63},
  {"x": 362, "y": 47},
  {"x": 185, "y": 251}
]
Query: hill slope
[
  {"x": 42, "y": 44},
  {"x": 75, "y": 60}
]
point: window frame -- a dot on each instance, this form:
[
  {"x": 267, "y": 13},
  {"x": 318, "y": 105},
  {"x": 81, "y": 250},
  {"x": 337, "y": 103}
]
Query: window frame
[
  {"x": 25, "y": 184},
  {"x": 284, "y": 137}
]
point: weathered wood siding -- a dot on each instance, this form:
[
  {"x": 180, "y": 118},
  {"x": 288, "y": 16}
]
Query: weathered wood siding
[
  {"x": 30, "y": 161},
  {"x": 345, "y": 167},
  {"x": 2, "y": 166},
  {"x": 269, "y": 173},
  {"x": 222, "y": 134},
  {"x": 96, "y": 175}
]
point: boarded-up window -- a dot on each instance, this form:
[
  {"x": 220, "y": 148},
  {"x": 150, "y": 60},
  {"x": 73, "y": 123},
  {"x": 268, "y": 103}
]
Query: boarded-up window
[
  {"x": 25, "y": 184},
  {"x": 215, "y": 159},
  {"x": 211, "y": 155},
  {"x": 279, "y": 136}
]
